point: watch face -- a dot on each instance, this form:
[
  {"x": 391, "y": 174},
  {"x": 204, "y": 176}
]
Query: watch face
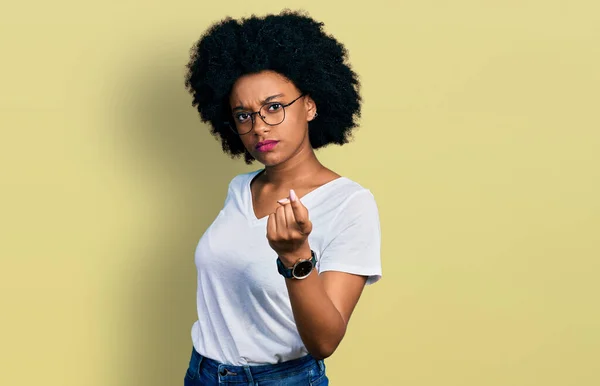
[{"x": 303, "y": 269}]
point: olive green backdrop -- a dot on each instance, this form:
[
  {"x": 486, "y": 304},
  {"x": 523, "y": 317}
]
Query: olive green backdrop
[{"x": 480, "y": 139}]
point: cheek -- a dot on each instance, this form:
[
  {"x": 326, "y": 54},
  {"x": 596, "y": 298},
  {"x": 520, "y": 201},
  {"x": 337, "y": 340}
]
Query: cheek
[
  {"x": 245, "y": 141},
  {"x": 296, "y": 126}
]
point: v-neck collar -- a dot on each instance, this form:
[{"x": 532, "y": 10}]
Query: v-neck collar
[{"x": 249, "y": 207}]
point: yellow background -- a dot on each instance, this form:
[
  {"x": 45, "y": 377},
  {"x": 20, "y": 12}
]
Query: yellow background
[{"x": 480, "y": 139}]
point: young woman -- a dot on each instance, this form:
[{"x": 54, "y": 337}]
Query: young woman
[{"x": 283, "y": 265}]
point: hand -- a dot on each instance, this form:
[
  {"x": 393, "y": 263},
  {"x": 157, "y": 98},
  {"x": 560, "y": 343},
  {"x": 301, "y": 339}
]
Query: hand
[{"x": 288, "y": 229}]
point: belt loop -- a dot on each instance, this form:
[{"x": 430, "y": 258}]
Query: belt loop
[
  {"x": 321, "y": 365},
  {"x": 200, "y": 358},
  {"x": 249, "y": 374}
]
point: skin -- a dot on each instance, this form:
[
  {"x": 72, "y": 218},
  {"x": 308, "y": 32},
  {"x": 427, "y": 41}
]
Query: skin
[{"x": 322, "y": 304}]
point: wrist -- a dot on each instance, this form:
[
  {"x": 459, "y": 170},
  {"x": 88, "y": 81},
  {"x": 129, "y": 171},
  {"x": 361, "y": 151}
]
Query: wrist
[
  {"x": 290, "y": 258},
  {"x": 301, "y": 269}
]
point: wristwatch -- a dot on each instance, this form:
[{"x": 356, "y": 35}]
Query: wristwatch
[{"x": 300, "y": 270}]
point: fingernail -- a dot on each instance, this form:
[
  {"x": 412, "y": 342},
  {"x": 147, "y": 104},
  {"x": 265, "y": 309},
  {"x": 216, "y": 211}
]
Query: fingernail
[
  {"x": 283, "y": 201},
  {"x": 293, "y": 196}
]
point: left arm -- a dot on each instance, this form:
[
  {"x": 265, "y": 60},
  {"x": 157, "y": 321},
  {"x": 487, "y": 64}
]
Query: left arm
[{"x": 321, "y": 304}]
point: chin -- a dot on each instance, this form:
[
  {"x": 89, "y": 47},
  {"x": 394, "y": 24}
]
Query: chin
[{"x": 268, "y": 159}]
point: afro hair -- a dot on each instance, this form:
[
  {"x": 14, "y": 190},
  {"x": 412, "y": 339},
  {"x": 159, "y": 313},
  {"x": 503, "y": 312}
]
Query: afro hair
[{"x": 291, "y": 44}]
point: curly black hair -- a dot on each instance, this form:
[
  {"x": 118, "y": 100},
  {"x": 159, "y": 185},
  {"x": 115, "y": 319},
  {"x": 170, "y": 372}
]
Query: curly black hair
[{"x": 291, "y": 44}]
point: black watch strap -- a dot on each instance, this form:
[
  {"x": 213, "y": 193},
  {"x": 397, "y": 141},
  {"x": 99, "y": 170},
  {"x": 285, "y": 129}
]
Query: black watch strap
[{"x": 300, "y": 270}]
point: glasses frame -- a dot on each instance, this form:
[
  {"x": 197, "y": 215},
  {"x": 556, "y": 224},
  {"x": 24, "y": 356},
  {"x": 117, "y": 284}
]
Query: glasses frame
[{"x": 233, "y": 126}]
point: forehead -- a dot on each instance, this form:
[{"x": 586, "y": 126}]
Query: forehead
[{"x": 253, "y": 88}]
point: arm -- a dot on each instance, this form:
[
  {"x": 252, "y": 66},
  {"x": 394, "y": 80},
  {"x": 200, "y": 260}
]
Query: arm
[{"x": 322, "y": 304}]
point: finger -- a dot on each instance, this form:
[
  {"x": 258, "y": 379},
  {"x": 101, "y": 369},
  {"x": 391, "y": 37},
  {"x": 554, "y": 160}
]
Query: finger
[
  {"x": 271, "y": 226},
  {"x": 300, "y": 213},
  {"x": 283, "y": 201},
  {"x": 289, "y": 217},
  {"x": 281, "y": 220}
]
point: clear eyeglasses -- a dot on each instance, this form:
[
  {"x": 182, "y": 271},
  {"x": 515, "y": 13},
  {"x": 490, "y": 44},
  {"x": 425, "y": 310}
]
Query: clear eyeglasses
[{"x": 272, "y": 113}]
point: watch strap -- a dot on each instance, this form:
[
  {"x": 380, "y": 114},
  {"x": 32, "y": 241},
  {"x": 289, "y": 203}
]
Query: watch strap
[{"x": 288, "y": 273}]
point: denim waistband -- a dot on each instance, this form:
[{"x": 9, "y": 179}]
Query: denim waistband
[{"x": 247, "y": 374}]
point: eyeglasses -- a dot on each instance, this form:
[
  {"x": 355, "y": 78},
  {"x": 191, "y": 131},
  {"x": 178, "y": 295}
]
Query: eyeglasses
[{"x": 272, "y": 113}]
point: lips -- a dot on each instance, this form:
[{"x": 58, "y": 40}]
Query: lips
[{"x": 266, "y": 145}]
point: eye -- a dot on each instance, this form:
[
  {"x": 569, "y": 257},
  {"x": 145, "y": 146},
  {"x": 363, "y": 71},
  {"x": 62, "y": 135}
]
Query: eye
[
  {"x": 242, "y": 117},
  {"x": 273, "y": 107}
]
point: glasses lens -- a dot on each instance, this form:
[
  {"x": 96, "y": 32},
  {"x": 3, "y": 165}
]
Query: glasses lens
[
  {"x": 240, "y": 128},
  {"x": 272, "y": 113},
  {"x": 244, "y": 128}
]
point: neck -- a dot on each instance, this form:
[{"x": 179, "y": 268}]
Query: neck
[{"x": 303, "y": 166}]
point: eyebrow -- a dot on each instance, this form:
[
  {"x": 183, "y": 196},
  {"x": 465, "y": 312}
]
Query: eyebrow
[{"x": 267, "y": 100}]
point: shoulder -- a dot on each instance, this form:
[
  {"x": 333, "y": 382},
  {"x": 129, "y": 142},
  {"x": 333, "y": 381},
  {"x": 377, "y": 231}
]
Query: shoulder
[
  {"x": 352, "y": 201},
  {"x": 240, "y": 181},
  {"x": 349, "y": 192}
]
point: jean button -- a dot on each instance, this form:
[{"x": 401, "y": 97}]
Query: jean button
[{"x": 223, "y": 372}]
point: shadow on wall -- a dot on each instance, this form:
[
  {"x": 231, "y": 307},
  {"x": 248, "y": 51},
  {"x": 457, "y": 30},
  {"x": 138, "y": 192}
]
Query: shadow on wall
[{"x": 186, "y": 174}]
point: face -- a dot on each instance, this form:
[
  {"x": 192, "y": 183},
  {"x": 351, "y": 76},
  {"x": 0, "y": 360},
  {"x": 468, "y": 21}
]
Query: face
[{"x": 271, "y": 142}]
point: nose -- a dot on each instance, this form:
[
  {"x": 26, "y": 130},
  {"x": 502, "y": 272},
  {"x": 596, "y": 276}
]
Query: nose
[{"x": 260, "y": 126}]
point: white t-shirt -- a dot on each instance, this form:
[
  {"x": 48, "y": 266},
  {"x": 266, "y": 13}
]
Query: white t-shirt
[{"x": 244, "y": 312}]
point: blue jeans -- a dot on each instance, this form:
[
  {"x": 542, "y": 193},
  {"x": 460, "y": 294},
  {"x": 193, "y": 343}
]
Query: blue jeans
[{"x": 305, "y": 371}]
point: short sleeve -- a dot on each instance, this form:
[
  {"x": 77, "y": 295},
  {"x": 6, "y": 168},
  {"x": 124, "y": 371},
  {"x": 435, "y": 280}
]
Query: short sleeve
[{"x": 355, "y": 246}]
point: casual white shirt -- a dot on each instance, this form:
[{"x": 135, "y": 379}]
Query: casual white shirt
[{"x": 244, "y": 312}]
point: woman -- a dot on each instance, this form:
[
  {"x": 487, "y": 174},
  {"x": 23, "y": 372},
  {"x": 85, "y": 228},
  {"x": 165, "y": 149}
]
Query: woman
[{"x": 283, "y": 265}]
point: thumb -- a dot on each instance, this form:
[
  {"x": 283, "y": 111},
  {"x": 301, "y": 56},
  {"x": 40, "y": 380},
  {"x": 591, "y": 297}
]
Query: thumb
[{"x": 300, "y": 213}]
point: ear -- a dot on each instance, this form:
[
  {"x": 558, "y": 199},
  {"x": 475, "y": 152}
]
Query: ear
[{"x": 310, "y": 107}]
